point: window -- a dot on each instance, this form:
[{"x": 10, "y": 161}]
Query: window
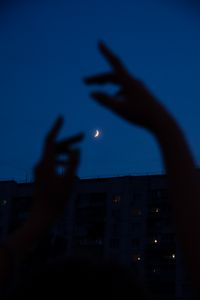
[
  {"x": 22, "y": 203},
  {"x": 90, "y": 199},
  {"x": 134, "y": 227},
  {"x": 115, "y": 229},
  {"x": 159, "y": 194},
  {"x": 82, "y": 200},
  {"x": 116, "y": 199},
  {"x": 136, "y": 258},
  {"x": 137, "y": 196},
  {"x": 99, "y": 242},
  {"x": 116, "y": 215},
  {"x": 136, "y": 212},
  {"x": 136, "y": 243},
  {"x": 171, "y": 256},
  {"x": 98, "y": 199},
  {"x": 114, "y": 243},
  {"x": 155, "y": 241},
  {"x": 155, "y": 211},
  {"x": 3, "y": 202},
  {"x": 155, "y": 270}
]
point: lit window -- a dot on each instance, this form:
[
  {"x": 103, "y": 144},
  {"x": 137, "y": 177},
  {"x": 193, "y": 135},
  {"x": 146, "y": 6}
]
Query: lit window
[
  {"x": 155, "y": 210},
  {"x": 116, "y": 199},
  {"x": 156, "y": 270},
  {"x": 136, "y": 258}
]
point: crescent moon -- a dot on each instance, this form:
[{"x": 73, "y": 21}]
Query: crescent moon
[{"x": 96, "y": 133}]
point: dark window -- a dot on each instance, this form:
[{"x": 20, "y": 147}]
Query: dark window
[
  {"x": 135, "y": 242},
  {"x": 136, "y": 212},
  {"x": 114, "y": 243}
]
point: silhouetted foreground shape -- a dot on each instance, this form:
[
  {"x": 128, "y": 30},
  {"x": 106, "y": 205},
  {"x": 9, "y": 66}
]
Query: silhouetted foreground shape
[{"x": 138, "y": 106}]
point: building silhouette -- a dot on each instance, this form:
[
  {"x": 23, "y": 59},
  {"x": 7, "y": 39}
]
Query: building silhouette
[{"x": 125, "y": 219}]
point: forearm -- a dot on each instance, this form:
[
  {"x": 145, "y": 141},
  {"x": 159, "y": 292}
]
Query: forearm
[
  {"x": 183, "y": 189},
  {"x": 25, "y": 239},
  {"x": 19, "y": 246}
]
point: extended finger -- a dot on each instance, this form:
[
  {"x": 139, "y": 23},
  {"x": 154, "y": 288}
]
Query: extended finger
[
  {"x": 48, "y": 152},
  {"x": 63, "y": 146},
  {"x": 102, "y": 79},
  {"x": 55, "y": 129},
  {"x": 112, "y": 58},
  {"x": 106, "y": 100}
]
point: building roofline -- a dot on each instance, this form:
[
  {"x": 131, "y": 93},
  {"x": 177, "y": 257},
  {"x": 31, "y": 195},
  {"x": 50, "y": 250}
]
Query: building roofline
[{"x": 108, "y": 178}]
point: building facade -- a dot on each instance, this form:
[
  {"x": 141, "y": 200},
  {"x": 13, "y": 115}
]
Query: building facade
[{"x": 126, "y": 219}]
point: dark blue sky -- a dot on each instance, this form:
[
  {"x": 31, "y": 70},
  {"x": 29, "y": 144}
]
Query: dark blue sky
[{"x": 47, "y": 48}]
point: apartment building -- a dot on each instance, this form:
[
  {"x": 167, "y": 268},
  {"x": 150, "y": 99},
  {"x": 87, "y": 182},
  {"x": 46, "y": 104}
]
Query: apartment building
[{"x": 126, "y": 219}]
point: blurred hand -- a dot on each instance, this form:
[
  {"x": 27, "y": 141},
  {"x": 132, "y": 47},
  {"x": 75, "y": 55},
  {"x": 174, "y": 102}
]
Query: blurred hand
[
  {"x": 133, "y": 102},
  {"x": 52, "y": 188}
]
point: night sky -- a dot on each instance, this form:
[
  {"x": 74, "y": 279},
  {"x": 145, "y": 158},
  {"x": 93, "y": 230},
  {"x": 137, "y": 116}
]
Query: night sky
[{"x": 48, "y": 47}]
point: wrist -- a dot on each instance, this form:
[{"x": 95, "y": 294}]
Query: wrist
[{"x": 164, "y": 125}]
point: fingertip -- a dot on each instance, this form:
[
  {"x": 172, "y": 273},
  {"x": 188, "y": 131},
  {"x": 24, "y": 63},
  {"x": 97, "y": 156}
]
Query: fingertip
[
  {"x": 102, "y": 98},
  {"x": 101, "y": 43},
  {"x": 102, "y": 48},
  {"x": 58, "y": 122},
  {"x": 86, "y": 80},
  {"x": 60, "y": 119},
  {"x": 96, "y": 95},
  {"x": 80, "y": 136}
]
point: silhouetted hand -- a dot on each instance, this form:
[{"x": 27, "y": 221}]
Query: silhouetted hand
[
  {"x": 137, "y": 105},
  {"x": 53, "y": 188},
  {"x": 133, "y": 102}
]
